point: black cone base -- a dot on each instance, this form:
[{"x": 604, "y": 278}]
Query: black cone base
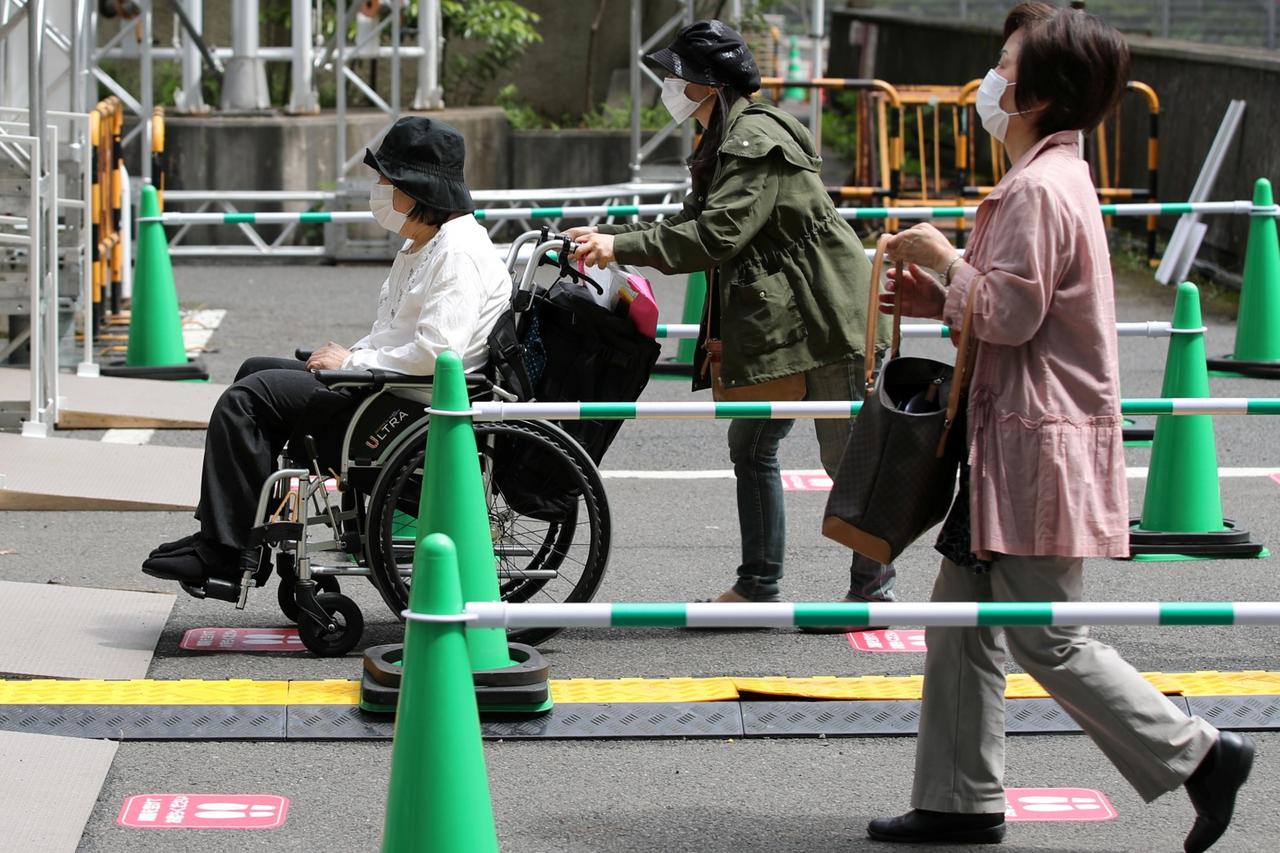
[
  {"x": 1232, "y": 542},
  {"x": 523, "y": 688},
  {"x": 193, "y": 369},
  {"x": 1253, "y": 369}
]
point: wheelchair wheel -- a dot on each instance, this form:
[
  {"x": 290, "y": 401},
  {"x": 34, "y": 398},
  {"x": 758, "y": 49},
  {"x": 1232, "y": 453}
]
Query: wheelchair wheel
[
  {"x": 348, "y": 624},
  {"x": 550, "y": 547},
  {"x": 286, "y": 593}
]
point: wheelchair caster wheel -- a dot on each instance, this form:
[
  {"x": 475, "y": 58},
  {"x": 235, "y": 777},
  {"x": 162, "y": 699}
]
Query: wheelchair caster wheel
[
  {"x": 347, "y": 626},
  {"x": 286, "y": 593}
]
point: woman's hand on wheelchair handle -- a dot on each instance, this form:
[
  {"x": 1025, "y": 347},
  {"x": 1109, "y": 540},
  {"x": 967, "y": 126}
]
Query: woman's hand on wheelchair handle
[
  {"x": 328, "y": 357},
  {"x": 580, "y": 231},
  {"x": 595, "y": 250}
]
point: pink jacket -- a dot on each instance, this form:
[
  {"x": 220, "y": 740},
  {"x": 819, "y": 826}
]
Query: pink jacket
[{"x": 1046, "y": 450}]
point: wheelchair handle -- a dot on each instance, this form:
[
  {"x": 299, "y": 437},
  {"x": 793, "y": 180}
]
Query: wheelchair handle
[
  {"x": 303, "y": 354},
  {"x": 526, "y": 281}
]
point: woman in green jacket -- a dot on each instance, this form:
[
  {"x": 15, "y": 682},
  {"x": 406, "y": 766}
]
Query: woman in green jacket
[{"x": 788, "y": 280}]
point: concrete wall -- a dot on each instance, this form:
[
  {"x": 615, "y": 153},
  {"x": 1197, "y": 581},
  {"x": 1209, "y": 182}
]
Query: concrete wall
[
  {"x": 297, "y": 153},
  {"x": 553, "y": 75},
  {"x": 573, "y": 158},
  {"x": 1195, "y": 82}
]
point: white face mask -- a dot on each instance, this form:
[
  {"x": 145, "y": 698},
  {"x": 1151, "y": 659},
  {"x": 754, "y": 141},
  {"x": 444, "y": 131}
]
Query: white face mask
[
  {"x": 380, "y": 202},
  {"x": 676, "y": 102},
  {"x": 994, "y": 119}
]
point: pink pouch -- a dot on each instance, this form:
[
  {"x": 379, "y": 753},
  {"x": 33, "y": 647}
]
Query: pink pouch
[{"x": 642, "y": 308}]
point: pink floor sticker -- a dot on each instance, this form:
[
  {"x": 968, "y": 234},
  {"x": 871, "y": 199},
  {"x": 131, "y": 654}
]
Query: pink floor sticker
[
  {"x": 204, "y": 811},
  {"x": 910, "y": 640},
  {"x": 242, "y": 640},
  {"x": 1057, "y": 804},
  {"x": 797, "y": 482}
]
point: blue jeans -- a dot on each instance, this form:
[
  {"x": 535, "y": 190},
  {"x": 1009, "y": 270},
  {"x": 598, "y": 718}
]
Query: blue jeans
[{"x": 753, "y": 449}]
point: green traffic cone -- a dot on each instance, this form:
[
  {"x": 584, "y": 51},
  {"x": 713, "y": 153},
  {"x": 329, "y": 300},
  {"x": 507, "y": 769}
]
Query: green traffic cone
[
  {"x": 695, "y": 302},
  {"x": 1182, "y": 483},
  {"x": 453, "y": 503},
  {"x": 155, "y": 324},
  {"x": 793, "y": 93},
  {"x": 1258, "y": 326},
  {"x": 438, "y": 796}
]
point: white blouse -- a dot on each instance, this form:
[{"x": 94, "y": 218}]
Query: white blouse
[{"x": 446, "y": 296}]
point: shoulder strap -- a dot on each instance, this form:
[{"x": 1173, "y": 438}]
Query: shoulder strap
[{"x": 965, "y": 357}]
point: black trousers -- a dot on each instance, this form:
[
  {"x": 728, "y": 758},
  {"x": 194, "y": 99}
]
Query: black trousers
[{"x": 271, "y": 401}]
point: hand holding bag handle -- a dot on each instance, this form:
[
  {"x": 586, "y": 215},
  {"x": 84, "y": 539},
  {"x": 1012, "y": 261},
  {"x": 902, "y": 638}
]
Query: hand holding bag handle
[{"x": 964, "y": 356}]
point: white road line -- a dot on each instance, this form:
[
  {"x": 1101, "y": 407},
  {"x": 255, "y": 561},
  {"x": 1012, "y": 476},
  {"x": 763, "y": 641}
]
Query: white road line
[
  {"x": 1134, "y": 473},
  {"x": 127, "y": 436}
]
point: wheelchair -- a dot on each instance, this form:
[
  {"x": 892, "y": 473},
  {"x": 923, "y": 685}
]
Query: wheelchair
[{"x": 316, "y": 524}]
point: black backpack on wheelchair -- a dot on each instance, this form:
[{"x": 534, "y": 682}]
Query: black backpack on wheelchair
[{"x": 559, "y": 346}]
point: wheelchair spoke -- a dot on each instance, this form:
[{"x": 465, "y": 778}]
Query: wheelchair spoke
[{"x": 547, "y": 517}]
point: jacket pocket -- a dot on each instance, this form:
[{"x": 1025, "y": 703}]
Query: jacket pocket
[{"x": 761, "y": 316}]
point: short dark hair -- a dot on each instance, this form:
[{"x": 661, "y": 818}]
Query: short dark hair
[
  {"x": 1073, "y": 65},
  {"x": 428, "y": 215},
  {"x": 1026, "y": 13}
]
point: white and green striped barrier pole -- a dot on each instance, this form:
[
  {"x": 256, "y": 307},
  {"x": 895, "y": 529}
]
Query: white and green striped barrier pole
[
  {"x": 819, "y": 409},
  {"x": 929, "y": 614},
  {"x": 1147, "y": 329},
  {"x": 649, "y": 210}
]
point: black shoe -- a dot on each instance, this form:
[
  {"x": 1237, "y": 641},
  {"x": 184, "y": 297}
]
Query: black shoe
[
  {"x": 194, "y": 563},
  {"x": 1213, "y": 788},
  {"x": 923, "y": 827},
  {"x": 176, "y": 545}
]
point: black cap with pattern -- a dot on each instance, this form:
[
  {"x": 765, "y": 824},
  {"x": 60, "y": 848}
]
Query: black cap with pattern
[{"x": 710, "y": 53}]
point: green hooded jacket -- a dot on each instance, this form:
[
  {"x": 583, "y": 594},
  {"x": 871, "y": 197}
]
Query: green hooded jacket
[{"x": 792, "y": 275}]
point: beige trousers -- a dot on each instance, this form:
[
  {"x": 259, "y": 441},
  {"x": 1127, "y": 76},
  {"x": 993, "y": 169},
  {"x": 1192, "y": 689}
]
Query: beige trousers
[{"x": 960, "y": 749}]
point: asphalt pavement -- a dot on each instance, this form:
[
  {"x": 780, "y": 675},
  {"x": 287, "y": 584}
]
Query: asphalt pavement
[{"x": 674, "y": 540}]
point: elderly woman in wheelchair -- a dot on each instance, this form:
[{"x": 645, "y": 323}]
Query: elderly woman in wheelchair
[{"x": 355, "y": 417}]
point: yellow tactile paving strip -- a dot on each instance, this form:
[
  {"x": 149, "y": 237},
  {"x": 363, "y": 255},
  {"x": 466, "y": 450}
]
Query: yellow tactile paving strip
[
  {"x": 581, "y": 690},
  {"x": 335, "y": 692},
  {"x": 144, "y": 692},
  {"x": 578, "y": 690}
]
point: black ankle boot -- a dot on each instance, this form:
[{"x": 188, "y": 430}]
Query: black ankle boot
[{"x": 919, "y": 826}]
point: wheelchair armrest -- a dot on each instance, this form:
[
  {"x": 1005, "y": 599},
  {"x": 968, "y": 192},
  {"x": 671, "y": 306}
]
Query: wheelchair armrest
[
  {"x": 348, "y": 377},
  {"x": 302, "y": 354},
  {"x": 378, "y": 379}
]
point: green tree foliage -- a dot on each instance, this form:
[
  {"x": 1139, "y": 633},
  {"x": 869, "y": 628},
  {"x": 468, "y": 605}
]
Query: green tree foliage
[{"x": 482, "y": 39}]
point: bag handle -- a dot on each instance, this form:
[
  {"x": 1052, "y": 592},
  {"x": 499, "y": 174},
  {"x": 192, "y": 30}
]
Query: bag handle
[
  {"x": 873, "y": 312},
  {"x": 965, "y": 353}
]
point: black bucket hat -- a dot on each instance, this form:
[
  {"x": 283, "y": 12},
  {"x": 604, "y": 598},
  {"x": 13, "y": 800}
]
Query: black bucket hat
[
  {"x": 424, "y": 158},
  {"x": 710, "y": 53}
]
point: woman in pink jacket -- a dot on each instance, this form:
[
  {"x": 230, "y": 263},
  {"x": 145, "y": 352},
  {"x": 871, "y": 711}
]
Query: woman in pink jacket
[{"x": 1045, "y": 483}]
